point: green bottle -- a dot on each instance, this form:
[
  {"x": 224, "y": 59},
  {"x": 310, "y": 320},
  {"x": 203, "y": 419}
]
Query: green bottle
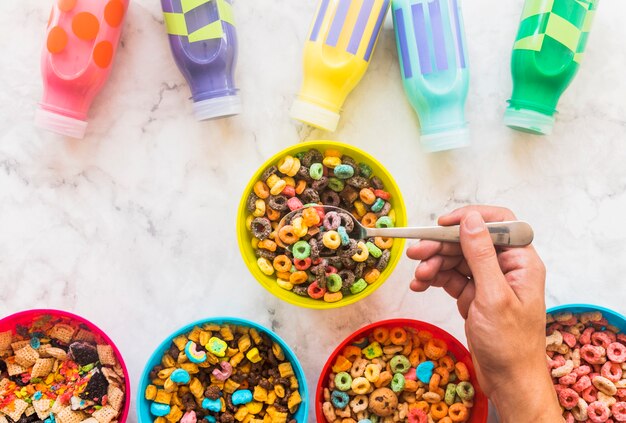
[{"x": 546, "y": 55}]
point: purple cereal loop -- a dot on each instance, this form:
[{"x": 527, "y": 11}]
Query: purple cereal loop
[{"x": 332, "y": 221}]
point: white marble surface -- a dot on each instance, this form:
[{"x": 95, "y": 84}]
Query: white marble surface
[{"x": 133, "y": 227}]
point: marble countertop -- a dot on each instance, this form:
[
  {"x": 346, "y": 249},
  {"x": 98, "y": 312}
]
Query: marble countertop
[{"x": 134, "y": 227}]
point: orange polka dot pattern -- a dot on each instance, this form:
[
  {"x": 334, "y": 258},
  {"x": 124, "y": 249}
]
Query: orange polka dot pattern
[
  {"x": 103, "y": 54},
  {"x": 86, "y": 26}
]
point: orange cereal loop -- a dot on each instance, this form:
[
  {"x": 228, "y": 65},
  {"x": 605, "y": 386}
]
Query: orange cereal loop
[
  {"x": 384, "y": 379},
  {"x": 272, "y": 214},
  {"x": 446, "y": 419},
  {"x": 458, "y": 412},
  {"x": 371, "y": 276},
  {"x": 381, "y": 335},
  {"x": 367, "y": 196},
  {"x": 435, "y": 349},
  {"x": 398, "y": 336},
  {"x": 331, "y": 152},
  {"x": 410, "y": 385},
  {"x": 447, "y": 363},
  {"x": 283, "y": 275},
  {"x": 57, "y": 40},
  {"x": 66, "y": 5},
  {"x": 439, "y": 410},
  {"x": 282, "y": 263},
  {"x": 114, "y": 13},
  {"x": 85, "y": 26},
  {"x": 310, "y": 217},
  {"x": 287, "y": 235},
  {"x": 445, "y": 375},
  {"x": 416, "y": 340},
  {"x": 352, "y": 352},
  {"x": 433, "y": 384},
  {"x": 103, "y": 54},
  {"x": 408, "y": 347},
  {"x": 299, "y": 277},
  {"x": 261, "y": 190},
  {"x": 383, "y": 243},
  {"x": 420, "y": 405},
  {"x": 417, "y": 356},
  {"x": 300, "y": 187},
  {"x": 369, "y": 220},
  {"x": 424, "y": 336},
  {"x": 461, "y": 371}
]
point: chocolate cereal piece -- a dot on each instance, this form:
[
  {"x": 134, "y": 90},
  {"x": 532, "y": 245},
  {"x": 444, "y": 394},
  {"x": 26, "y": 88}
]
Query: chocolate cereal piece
[
  {"x": 261, "y": 228},
  {"x": 97, "y": 387},
  {"x": 83, "y": 353}
]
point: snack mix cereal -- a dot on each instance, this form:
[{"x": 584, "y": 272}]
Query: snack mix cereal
[
  {"x": 398, "y": 375},
  {"x": 587, "y": 359},
  {"x": 223, "y": 373},
  {"x": 56, "y": 370},
  {"x": 323, "y": 261}
]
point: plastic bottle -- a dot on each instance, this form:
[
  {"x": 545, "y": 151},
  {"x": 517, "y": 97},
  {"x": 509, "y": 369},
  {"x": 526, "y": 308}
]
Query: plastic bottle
[
  {"x": 434, "y": 66},
  {"x": 336, "y": 56},
  {"x": 81, "y": 41},
  {"x": 203, "y": 41},
  {"x": 549, "y": 45}
]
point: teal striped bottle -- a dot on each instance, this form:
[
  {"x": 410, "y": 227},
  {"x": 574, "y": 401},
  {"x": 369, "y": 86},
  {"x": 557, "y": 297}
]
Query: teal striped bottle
[{"x": 549, "y": 46}]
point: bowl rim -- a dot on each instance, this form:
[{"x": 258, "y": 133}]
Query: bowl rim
[
  {"x": 62, "y": 313},
  {"x": 303, "y": 388},
  {"x": 613, "y": 314},
  {"x": 422, "y": 325},
  {"x": 399, "y": 207}
]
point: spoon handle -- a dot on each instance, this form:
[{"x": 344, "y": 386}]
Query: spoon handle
[{"x": 504, "y": 234}]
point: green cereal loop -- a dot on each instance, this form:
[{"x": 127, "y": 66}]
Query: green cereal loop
[
  {"x": 400, "y": 364},
  {"x": 397, "y": 383},
  {"x": 301, "y": 250},
  {"x": 450, "y": 394},
  {"x": 299, "y": 155},
  {"x": 336, "y": 184},
  {"x": 343, "y": 381},
  {"x": 316, "y": 171},
  {"x": 373, "y": 249},
  {"x": 465, "y": 391},
  {"x": 358, "y": 286},
  {"x": 366, "y": 172},
  {"x": 384, "y": 222},
  {"x": 334, "y": 282},
  {"x": 378, "y": 205}
]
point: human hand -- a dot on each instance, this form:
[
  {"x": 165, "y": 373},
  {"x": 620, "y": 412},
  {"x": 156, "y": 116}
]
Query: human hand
[{"x": 500, "y": 294}]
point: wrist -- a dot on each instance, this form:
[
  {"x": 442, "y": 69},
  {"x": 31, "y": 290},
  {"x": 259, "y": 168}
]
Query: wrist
[{"x": 527, "y": 398}]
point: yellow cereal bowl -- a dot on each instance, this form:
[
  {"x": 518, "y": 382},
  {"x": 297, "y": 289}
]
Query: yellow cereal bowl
[{"x": 245, "y": 238}]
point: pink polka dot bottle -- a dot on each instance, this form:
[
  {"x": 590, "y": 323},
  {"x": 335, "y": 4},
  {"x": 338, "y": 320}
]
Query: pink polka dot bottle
[{"x": 81, "y": 41}]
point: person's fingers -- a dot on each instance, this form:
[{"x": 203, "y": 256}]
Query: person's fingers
[
  {"x": 465, "y": 298},
  {"x": 419, "y": 286},
  {"x": 426, "y": 249},
  {"x": 491, "y": 287},
  {"x": 489, "y": 214},
  {"x": 428, "y": 269},
  {"x": 524, "y": 271},
  {"x": 451, "y": 281}
]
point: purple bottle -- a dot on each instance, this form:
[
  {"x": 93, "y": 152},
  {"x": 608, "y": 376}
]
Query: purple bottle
[{"x": 204, "y": 44}]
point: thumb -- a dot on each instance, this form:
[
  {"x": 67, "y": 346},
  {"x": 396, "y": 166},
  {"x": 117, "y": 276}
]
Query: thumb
[{"x": 480, "y": 254}]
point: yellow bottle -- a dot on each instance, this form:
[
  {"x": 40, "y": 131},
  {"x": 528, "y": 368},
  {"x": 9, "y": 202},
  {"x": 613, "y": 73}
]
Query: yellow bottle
[{"x": 336, "y": 56}]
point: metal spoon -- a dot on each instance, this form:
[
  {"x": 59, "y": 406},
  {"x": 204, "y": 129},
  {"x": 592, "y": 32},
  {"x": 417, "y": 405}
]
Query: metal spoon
[{"x": 504, "y": 234}]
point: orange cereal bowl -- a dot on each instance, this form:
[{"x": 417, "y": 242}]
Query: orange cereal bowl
[
  {"x": 361, "y": 341},
  {"x": 38, "y": 328},
  {"x": 247, "y": 242}
]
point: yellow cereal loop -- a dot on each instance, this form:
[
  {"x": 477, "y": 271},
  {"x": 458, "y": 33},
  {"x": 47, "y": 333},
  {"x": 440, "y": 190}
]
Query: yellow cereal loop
[
  {"x": 331, "y": 162},
  {"x": 249, "y": 220},
  {"x": 254, "y": 242},
  {"x": 271, "y": 181},
  {"x": 284, "y": 284},
  {"x": 278, "y": 187},
  {"x": 289, "y": 181},
  {"x": 285, "y": 164},
  {"x": 362, "y": 252}
]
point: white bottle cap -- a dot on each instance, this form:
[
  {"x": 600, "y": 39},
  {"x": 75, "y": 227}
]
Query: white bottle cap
[
  {"x": 218, "y": 107},
  {"x": 60, "y": 124},
  {"x": 314, "y": 115},
  {"x": 446, "y": 140},
  {"x": 527, "y": 120}
]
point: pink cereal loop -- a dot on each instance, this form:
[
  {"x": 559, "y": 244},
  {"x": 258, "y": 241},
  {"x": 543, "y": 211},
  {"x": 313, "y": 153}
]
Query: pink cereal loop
[
  {"x": 616, "y": 352},
  {"x": 585, "y": 338},
  {"x": 611, "y": 371},
  {"x": 619, "y": 411},
  {"x": 583, "y": 383},
  {"x": 417, "y": 416},
  {"x": 590, "y": 394},
  {"x": 568, "y": 398},
  {"x": 569, "y": 339},
  {"x": 568, "y": 379},
  {"x": 598, "y": 412},
  {"x": 593, "y": 354},
  {"x": 601, "y": 339},
  {"x": 569, "y": 418}
]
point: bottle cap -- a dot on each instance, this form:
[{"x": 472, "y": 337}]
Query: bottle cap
[
  {"x": 60, "y": 124},
  {"x": 527, "y": 120},
  {"x": 315, "y": 115},
  {"x": 218, "y": 107},
  {"x": 446, "y": 140}
]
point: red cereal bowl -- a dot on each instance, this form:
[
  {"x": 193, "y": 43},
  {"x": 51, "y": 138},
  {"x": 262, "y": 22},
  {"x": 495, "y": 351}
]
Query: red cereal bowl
[
  {"x": 479, "y": 412},
  {"x": 27, "y": 318}
]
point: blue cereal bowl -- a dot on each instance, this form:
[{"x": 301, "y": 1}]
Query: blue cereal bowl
[{"x": 143, "y": 405}]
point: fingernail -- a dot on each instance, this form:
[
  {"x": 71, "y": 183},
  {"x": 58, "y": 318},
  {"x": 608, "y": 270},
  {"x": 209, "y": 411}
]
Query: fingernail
[{"x": 474, "y": 223}]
